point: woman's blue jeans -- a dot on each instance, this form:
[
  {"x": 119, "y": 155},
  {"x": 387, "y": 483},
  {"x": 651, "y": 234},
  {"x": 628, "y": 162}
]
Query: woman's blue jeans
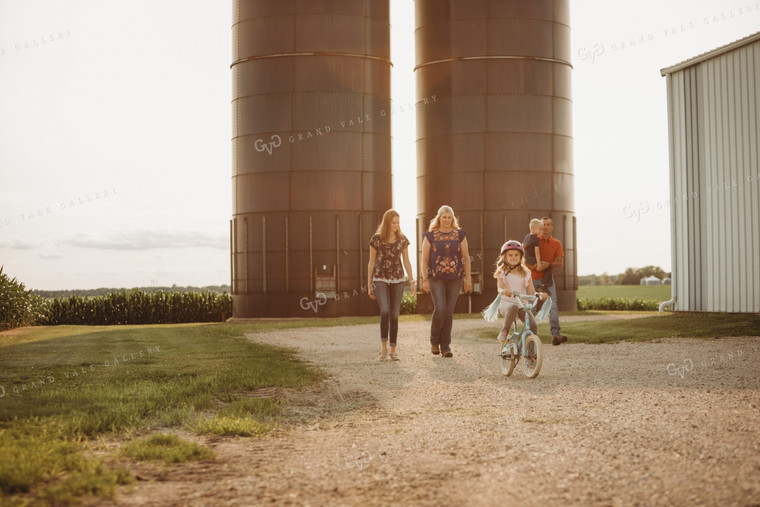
[
  {"x": 445, "y": 294},
  {"x": 388, "y": 296}
]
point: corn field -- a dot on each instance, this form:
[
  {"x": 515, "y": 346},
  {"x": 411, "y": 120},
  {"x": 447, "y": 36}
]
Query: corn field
[
  {"x": 138, "y": 307},
  {"x": 18, "y": 306}
]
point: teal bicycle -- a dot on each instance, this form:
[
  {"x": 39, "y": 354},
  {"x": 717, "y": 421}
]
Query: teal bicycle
[{"x": 523, "y": 344}]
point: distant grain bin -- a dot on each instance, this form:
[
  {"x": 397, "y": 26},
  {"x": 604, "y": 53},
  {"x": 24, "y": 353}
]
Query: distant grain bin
[
  {"x": 497, "y": 143},
  {"x": 714, "y": 134},
  {"x": 311, "y": 153}
]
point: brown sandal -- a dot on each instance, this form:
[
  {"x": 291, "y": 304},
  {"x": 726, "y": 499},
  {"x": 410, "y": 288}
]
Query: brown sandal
[
  {"x": 447, "y": 353},
  {"x": 434, "y": 349}
]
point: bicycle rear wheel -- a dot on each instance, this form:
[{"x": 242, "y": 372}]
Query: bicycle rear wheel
[
  {"x": 532, "y": 356},
  {"x": 508, "y": 360}
]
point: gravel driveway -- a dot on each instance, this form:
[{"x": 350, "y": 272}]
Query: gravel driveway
[{"x": 672, "y": 422}]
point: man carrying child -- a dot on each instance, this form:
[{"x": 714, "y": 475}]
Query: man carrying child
[{"x": 542, "y": 261}]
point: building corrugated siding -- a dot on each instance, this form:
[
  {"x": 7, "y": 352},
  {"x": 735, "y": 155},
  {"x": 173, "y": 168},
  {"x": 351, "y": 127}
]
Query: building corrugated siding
[{"x": 714, "y": 131}]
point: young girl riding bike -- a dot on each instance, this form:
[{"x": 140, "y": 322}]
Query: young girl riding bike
[{"x": 514, "y": 278}]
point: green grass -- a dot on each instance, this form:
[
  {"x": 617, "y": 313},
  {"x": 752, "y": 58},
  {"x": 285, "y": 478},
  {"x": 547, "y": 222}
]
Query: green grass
[
  {"x": 166, "y": 448},
  {"x": 656, "y": 326},
  {"x": 646, "y": 292},
  {"x": 63, "y": 386}
]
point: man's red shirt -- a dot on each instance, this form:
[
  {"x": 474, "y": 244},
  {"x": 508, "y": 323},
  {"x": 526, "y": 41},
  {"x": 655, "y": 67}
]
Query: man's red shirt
[{"x": 550, "y": 250}]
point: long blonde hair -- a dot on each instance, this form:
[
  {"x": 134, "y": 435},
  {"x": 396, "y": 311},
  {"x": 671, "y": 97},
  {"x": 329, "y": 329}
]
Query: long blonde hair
[
  {"x": 384, "y": 229},
  {"x": 435, "y": 223}
]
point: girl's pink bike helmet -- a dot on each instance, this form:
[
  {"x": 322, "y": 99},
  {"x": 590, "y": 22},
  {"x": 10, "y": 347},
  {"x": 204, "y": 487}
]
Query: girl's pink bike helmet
[{"x": 512, "y": 245}]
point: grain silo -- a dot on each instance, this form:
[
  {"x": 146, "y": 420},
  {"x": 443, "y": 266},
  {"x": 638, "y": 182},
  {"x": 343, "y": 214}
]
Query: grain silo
[
  {"x": 311, "y": 153},
  {"x": 497, "y": 142},
  {"x": 714, "y": 137}
]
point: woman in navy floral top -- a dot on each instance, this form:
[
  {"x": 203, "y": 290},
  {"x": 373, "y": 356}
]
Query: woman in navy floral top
[
  {"x": 385, "y": 277},
  {"x": 445, "y": 261}
]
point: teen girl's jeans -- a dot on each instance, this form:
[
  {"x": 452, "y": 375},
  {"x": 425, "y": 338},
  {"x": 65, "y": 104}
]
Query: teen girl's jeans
[
  {"x": 445, "y": 294},
  {"x": 388, "y": 296}
]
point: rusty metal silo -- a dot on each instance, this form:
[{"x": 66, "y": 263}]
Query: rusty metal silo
[
  {"x": 496, "y": 144},
  {"x": 311, "y": 153}
]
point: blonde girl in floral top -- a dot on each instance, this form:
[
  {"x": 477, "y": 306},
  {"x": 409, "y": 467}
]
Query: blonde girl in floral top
[
  {"x": 385, "y": 277},
  {"x": 445, "y": 261}
]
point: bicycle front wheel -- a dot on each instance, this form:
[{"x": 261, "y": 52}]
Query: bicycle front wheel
[
  {"x": 508, "y": 360},
  {"x": 532, "y": 356}
]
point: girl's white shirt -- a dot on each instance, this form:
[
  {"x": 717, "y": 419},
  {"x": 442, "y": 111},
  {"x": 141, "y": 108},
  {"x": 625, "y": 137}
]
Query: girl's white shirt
[{"x": 514, "y": 283}]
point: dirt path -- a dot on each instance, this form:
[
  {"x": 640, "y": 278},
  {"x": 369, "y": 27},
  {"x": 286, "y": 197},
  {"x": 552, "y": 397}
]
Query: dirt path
[{"x": 601, "y": 425}]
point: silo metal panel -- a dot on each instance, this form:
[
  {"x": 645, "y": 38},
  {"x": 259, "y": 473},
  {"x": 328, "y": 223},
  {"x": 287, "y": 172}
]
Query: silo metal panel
[
  {"x": 332, "y": 190},
  {"x": 533, "y": 192},
  {"x": 300, "y": 276},
  {"x": 520, "y": 37},
  {"x": 525, "y": 77},
  {"x": 518, "y": 151},
  {"x": 334, "y": 152},
  {"x": 337, "y": 7},
  {"x": 262, "y": 37},
  {"x": 469, "y": 194},
  {"x": 564, "y": 197},
  {"x": 377, "y": 149},
  {"x": 263, "y": 9},
  {"x": 332, "y": 106},
  {"x": 471, "y": 10},
  {"x": 261, "y": 76},
  {"x": 563, "y": 154},
  {"x": 330, "y": 33},
  {"x": 260, "y": 114},
  {"x": 529, "y": 10},
  {"x": 373, "y": 184},
  {"x": 520, "y": 113},
  {"x": 247, "y": 159},
  {"x": 270, "y": 189},
  {"x": 563, "y": 117},
  {"x": 447, "y": 83}
]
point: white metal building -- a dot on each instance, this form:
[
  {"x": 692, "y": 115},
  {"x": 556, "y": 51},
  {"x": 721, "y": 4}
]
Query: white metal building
[{"x": 714, "y": 135}]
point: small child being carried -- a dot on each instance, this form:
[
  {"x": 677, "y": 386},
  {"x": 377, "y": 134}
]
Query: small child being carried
[{"x": 532, "y": 244}]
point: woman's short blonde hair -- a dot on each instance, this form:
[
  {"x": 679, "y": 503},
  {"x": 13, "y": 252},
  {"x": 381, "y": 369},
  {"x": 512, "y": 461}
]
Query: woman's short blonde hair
[{"x": 435, "y": 223}]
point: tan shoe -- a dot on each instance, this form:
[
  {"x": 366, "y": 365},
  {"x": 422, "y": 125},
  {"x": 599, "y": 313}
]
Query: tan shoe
[{"x": 383, "y": 355}]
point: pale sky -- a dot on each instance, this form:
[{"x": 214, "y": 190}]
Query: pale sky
[{"x": 115, "y": 127}]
